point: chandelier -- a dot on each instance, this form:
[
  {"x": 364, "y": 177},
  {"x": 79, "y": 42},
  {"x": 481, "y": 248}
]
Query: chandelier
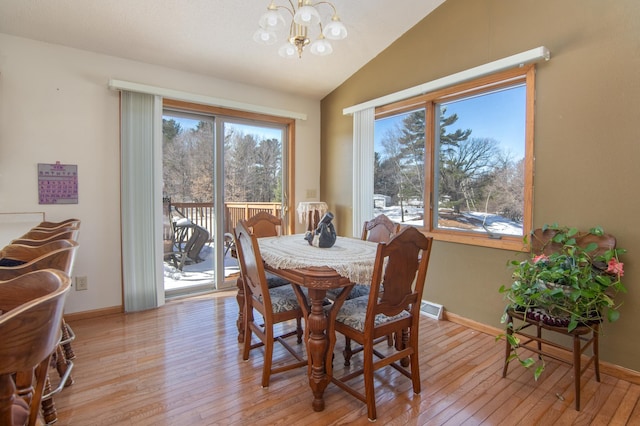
[{"x": 305, "y": 20}]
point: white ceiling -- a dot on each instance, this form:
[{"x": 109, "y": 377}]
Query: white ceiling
[{"x": 214, "y": 37}]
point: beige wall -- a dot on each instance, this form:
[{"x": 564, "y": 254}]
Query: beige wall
[
  {"x": 586, "y": 134},
  {"x": 55, "y": 106}
]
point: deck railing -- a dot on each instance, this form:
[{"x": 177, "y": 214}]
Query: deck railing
[{"x": 202, "y": 214}]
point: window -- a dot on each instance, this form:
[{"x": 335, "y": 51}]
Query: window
[{"x": 458, "y": 162}]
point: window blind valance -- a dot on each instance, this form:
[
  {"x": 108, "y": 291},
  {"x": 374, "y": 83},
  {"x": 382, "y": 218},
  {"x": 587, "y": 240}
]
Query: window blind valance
[
  {"x": 202, "y": 99},
  {"x": 517, "y": 60}
]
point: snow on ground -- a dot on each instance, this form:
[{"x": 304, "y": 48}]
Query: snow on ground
[
  {"x": 471, "y": 221},
  {"x": 197, "y": 274}
]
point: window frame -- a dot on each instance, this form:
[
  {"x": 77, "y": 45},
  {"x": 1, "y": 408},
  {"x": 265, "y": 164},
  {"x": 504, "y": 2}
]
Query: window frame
[
  {"x": 253, "y": 117},
  {"x": 526, "y": 75}
]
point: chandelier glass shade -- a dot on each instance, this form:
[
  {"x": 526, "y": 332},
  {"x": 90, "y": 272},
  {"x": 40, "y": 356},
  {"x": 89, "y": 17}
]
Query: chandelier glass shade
[{"x": 305, "y": 22}]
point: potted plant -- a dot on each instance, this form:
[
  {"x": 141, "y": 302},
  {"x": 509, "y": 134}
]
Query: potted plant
[{"x": 569, "y": 279}]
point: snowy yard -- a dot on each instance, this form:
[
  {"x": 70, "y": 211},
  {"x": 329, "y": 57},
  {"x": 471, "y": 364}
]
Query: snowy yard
[{"x": 470, "y": 221}]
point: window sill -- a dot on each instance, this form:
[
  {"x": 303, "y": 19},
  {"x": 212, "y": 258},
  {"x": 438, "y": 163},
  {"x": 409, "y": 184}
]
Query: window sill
[{"x": 513, "y": 243}]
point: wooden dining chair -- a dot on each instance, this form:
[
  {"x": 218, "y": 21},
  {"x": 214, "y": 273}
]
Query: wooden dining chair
[
  {"x": 262, "y": 224},
  {"x": 275, "y": 305},
  {"x": 380, "y": 229},
  {"x": 401, "y": 267},
  {"x": 31, "y": 308}
]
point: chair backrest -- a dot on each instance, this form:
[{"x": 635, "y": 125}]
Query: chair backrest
[
  {"x": 251, "y": 266},
  {"x": 401, "y": 269},
  {"x": 43, "y": 234},
  {"x": 31, "y": 309},
  {"x": 49, "y": 226},
  {"x": 64, "y": 235},
  {"x": 27, "y": 253},
  {"x": 60, "y": 257},
  {"x": 541, "y": 242},
  {"x": 380, "y": 229},
  {"x": 264, "y": 224},
  {"x": 198, "y": 239}
]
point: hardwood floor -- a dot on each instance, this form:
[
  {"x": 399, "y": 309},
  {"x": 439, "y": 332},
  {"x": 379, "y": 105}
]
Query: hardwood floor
[{"x": 181, "y": 365}]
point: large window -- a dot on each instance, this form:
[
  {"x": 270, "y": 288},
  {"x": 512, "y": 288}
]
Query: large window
[{"x": 458, "y": 162}]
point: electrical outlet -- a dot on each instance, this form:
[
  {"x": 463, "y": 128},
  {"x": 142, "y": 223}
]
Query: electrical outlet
[{"x": 82, "y": 283}]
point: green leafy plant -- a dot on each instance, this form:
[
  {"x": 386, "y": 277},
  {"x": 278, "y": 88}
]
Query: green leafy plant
[{"x": 574, "y": 283}]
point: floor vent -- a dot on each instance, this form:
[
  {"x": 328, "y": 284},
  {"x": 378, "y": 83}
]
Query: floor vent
[{"x": 432, "y": 310}]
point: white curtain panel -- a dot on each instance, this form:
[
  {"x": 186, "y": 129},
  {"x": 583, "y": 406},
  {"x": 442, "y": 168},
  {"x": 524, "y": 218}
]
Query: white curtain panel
[
  {"x": 363, "y": 163},
  {"x": 141, "y": 199}
]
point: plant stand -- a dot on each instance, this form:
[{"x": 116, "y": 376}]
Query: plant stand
[{"x": 583, "y": 336}]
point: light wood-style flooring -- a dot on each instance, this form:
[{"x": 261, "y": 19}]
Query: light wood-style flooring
[{"x": 181, "y": 365}]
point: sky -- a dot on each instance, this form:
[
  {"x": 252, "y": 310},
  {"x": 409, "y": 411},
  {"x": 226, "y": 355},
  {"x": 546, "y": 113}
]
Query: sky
[
  {"x": 498, "y": 115},
  {"x": 261, "y": 132}
]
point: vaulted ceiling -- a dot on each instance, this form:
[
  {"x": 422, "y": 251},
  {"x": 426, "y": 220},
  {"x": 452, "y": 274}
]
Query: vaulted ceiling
[{"x": 214, "y": 37}]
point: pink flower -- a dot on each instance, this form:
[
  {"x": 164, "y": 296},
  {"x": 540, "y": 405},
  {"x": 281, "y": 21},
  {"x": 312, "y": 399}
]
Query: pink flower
[
  {"x": 540, "y": 257},
  {"x": 615, "y": 267}
]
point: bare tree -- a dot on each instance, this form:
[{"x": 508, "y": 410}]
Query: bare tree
[
  {"x": 267, "y": 169},
  {"x": 202, "y": 163},
  {"x": 239, "y": 164},
  {"x": 505, "y": 191},
  {"x": 176, "y": 162},
  {"x": 463, "y": 170}
]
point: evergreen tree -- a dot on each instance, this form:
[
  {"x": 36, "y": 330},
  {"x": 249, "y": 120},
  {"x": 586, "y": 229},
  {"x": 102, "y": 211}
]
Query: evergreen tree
[{"x": 411, "y": 155}]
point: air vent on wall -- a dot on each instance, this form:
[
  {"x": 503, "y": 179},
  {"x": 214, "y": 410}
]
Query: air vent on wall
[{"x": 432, "y": 310}]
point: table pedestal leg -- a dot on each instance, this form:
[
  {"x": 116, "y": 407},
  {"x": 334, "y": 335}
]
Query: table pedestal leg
[{"x": 317, "y": 345}]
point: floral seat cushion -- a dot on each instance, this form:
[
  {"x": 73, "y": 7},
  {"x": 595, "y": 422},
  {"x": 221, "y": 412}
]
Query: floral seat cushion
[
  {"x": 274, "y": 281},
  {"x": 283, "y": 299},
  {"x": 358, "y": 290},
  {"x": 353, "y": 313}
]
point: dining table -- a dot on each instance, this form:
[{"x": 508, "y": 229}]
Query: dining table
[{"x": 347, "y": 262}]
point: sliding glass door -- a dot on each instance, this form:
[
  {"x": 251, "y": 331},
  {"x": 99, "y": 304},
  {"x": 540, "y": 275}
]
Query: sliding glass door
[
  {"x": 255, "y": 178},
  {"x": 188, "y": 199},
  {"x": 217, "y": 169}
]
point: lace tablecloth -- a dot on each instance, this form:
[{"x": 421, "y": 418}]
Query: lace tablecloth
[{"x": 349, "y": 257}]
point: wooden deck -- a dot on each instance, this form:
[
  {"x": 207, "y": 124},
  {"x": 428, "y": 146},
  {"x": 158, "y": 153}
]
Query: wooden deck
[{"x": 181, "y": 365}]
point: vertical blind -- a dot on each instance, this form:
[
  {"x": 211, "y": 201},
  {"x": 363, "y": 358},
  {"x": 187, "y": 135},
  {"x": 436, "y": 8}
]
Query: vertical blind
[
  {"x": 141, "y": 198},
  {"x": 363, "y": 163}
]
